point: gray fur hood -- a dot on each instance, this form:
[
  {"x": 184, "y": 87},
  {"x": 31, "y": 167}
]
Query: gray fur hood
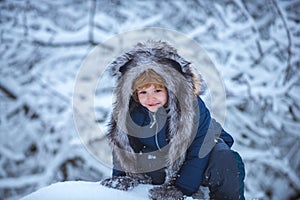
[{"x": 183, "y": 87}]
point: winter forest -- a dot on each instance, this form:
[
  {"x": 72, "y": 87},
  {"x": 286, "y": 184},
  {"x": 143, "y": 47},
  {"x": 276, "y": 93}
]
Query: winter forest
[{"x": 254, "y": 45}]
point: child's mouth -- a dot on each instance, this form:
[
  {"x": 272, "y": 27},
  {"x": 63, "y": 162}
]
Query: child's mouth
[{"x": 151, "y": 105}]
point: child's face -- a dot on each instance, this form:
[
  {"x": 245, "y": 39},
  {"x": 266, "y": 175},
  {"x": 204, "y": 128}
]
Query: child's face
[{"x": 152, "y": 97}]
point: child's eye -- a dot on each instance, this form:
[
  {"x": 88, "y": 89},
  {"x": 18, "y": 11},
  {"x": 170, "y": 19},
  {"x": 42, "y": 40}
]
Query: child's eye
[
  {"x": 142, "y": 92},
  {"x": 158, "y": 90}
]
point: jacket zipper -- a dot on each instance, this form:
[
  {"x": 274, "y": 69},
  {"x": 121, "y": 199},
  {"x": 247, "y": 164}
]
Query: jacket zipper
[{"x": 156, "y": 130}]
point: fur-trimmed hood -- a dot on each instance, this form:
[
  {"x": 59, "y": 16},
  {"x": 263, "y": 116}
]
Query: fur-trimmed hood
[{"x": 183, "y": 86}]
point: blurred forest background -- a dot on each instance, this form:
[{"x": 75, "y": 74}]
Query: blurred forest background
[{"x": 254, "y": 44}]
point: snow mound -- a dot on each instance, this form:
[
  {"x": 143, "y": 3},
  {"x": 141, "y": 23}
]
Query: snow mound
[{"x": 80, "y": 190}]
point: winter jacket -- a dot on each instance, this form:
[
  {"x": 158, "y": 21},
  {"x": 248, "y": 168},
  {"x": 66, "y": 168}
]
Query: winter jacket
[
  {"x": 176, "y": 151},
  {"x": 190, "y": 175}
]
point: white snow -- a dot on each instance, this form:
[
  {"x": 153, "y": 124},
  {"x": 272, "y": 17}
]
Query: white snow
[
  {"x": 77, "y": 190},
  {"x": 80, "y": 190}
]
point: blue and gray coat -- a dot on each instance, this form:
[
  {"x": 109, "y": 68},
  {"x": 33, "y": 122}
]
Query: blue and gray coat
[{"x": 189, "y": 177}]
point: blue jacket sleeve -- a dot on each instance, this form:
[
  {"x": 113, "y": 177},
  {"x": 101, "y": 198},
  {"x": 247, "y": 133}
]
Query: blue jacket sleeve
[
  {"x": 190, "y": 175},
  {"x": 118, "y": 173}
]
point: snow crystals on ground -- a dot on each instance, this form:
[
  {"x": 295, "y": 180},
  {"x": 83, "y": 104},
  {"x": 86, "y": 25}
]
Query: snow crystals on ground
[{"x": 79, "y": 190}]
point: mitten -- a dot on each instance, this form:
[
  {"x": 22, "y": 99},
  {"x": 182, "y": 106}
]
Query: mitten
[
  {"x": 120, "y": 182},
  {"x": 166, "y": 192}
]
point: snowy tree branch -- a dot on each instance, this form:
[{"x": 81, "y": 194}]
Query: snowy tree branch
[{"x": 288, "y": 68}]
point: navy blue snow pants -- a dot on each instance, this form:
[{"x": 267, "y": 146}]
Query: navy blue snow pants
[{"x": 225, "y": 173}]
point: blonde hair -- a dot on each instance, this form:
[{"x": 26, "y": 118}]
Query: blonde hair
[{"x": 145, "y": 80}]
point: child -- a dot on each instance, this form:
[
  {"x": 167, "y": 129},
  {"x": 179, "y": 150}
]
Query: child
[{"x": 162, "y": 133}]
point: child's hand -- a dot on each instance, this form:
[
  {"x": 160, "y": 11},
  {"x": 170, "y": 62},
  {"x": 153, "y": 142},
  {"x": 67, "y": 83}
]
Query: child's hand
[
  {"x": 168, "y": 192},
  {"x": 120, "y": 182}
]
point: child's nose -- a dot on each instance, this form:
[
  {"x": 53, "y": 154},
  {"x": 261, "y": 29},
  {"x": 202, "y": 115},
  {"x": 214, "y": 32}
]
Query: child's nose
[{"x": 150, "y": 97}]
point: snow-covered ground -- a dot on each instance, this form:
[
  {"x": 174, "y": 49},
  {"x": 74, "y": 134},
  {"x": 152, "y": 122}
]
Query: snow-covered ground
[{"x": 79, "y": 190}]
